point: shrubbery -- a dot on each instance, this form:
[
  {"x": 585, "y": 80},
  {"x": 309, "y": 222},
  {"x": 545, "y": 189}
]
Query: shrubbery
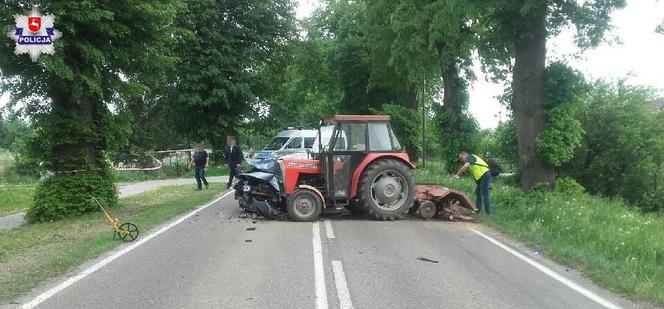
[
  {"x": 568, "y": 185},
  {"x": 67, "y": 195}
]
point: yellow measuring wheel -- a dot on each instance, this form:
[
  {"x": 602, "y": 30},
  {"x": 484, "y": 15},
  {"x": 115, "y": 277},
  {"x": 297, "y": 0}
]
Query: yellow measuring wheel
[{"x": 126, "y": 231}]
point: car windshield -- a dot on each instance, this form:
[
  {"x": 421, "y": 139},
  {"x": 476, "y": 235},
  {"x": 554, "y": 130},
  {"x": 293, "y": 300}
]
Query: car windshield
[{"x": 277, "y": 143}]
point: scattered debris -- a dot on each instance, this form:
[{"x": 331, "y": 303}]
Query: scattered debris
[
  {"x": 247, "y": 240},
  {"x": 251, "y": 229},
  {"x": 536, "y": 253},
  {"x": 423, "y": 259}
]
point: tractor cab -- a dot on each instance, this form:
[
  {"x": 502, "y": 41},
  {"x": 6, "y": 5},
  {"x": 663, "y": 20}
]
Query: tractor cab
[{"x": 345, "y": 143}]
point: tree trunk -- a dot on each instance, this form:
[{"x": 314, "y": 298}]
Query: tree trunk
[
  {"x": 413, "y": 98},
  {"x": 73, "y": 137},
  {"x": 454, "y": 104},
  {"x": 528, "y": 88},
  {"x": 452, "y": 101},
  {"x": 82, "y": 154}
]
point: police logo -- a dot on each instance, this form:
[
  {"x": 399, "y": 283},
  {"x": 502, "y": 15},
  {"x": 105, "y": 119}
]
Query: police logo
[{"x": 34, "y": 34}]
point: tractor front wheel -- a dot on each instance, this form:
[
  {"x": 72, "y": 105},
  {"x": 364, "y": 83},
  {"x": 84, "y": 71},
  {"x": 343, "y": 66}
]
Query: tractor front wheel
[
  {"x": 386, "y": 190},
  {"x": 304, "y": 205}
]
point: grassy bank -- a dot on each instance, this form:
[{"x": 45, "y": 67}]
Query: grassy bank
[
  {"x": 614, "y": 244},
  {"x": 33, "y": 253},
  {"x": 15, "y": 198}
]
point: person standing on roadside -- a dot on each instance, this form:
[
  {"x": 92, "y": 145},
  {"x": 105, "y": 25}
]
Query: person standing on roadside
[
  {"x": 480, "y": 171},
  {"x": 233, "y": 155},
  {"x": 201, "y": 161}
]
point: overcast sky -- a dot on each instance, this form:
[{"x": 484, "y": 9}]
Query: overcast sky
[{"x": 639, "y": 59}]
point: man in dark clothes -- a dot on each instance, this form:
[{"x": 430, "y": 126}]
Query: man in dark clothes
[
  {"x": 233, "y": 155},
  {"x": 201, "y": 160}
]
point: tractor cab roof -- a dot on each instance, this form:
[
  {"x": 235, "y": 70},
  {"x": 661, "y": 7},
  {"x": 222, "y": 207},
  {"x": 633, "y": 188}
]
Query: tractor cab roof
[{"x": 355, "y": 118}]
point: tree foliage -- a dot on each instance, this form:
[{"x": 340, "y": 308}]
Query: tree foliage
[
  {"x": 564, "y": 93},
  {"x": 622, "y": 150},
  {"x": 12, "y": 128},
  {"x": 107, "y": 48},
  {"x": 519, "y": 30},
  {"x": 221, "y": 46},
  {"x": 430, "y": 41},
  {"x": 298, "y": 86}
]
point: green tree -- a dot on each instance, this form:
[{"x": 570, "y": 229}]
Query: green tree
[
  {"x": 12, "y": 128},
  {"x": 107, "y": 47},
  {"x": 222, "y": 46},
  {"x": 621, "y": 151},
  {"x": 506, "y": 142},
  {"x": 433, "y": 41},
  {"x": 519, "y": 29},
  {"x": 298, "y": 86},
  {"x": 564, "y": 96},
  {"x": 350, "y": 57}
]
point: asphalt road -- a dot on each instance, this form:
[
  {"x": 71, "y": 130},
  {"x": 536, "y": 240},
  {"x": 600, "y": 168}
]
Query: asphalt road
[{"x": 215, "y": 259}]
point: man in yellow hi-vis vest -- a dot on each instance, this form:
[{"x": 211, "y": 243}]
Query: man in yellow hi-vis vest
[{"x": 480, "y": 171}]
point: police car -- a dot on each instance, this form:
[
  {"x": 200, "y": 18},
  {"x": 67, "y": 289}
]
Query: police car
[{"x": 290, "y": 141}]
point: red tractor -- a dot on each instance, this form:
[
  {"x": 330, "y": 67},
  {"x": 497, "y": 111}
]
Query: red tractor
[{"x": 357, "y": 162}]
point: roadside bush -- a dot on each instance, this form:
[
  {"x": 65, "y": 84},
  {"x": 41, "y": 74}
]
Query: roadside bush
[
  {"x": 68, "y": 195},
  {"x": 652, "y": 202},
  {"x": 25, "y": 162},
  {"x": 567, "y": 185}
]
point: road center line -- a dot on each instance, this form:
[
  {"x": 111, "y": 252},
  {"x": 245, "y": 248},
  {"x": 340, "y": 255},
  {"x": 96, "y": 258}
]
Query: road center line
[
  {"x": 319, "y": 271},
  {"x": 54, "y": 290},
  {"x": 329, "y": 232},
  {"x": 342, "y": 286},
  {"x": 549, "y": 272}
]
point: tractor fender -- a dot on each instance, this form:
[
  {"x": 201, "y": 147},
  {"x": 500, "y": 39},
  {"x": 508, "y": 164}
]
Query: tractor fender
[
  {"x": 315, "y": 190},
  {"x": 372, "y": 157}
]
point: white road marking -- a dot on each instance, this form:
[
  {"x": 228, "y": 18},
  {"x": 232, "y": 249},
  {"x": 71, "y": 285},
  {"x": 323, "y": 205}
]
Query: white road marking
[
  {"x": 581, "y": 290},
  {"x": 54, "y": 290},
  {"x": 342, "y": 286},
  {"x": 319, "y": 271},
  {"x": 329, "y": 232}
]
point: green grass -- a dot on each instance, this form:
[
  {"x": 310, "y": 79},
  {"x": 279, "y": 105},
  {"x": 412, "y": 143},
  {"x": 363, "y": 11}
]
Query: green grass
[
  {"x": 15, "y": 198},
  {"x": 215, "y": 170},
  {"x": 612, "y": 243},
  {"x": 8, "y": 173},
  {"x": 34, "y": 253}
]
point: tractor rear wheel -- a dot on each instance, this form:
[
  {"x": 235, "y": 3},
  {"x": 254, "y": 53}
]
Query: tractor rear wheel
[
  {"x": 386, "y": 190},
  {"x": 304, "y": 205}
]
